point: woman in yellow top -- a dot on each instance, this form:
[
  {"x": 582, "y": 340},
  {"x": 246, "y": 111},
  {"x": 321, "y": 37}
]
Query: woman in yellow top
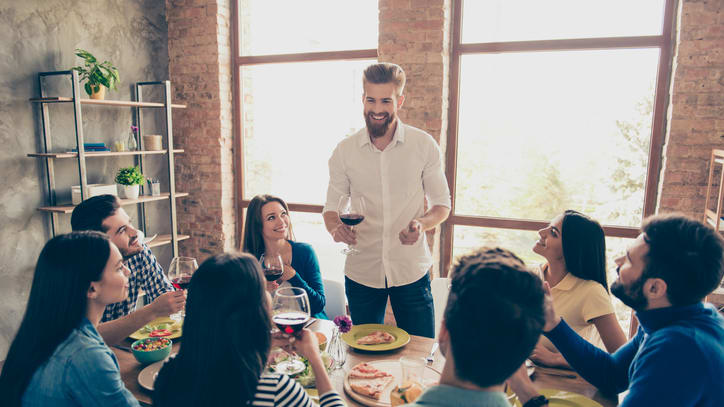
[{"x": 574, "y": 247}]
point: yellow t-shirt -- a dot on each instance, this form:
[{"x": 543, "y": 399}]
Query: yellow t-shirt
[{"x": 578, "y": 302}]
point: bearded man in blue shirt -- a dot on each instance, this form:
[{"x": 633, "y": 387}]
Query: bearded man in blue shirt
[{"x": 677, "y": 356}]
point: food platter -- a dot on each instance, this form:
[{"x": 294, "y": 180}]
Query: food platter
[
  {"x": 430, "y": 377},
  {"x": 145, "y": 332}
]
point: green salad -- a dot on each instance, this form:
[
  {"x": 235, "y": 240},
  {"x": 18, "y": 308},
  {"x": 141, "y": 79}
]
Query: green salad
[
  {"x": 152, "y": 327},
  {"x": 306, "y": 376}
]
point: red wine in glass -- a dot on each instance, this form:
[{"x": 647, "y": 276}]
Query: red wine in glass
[
  {"x": 181, "y": 283},
  {"x": 351, "y": 219},
  {"x": 290, "y": 322},
  {"x": 273, "y": 274}
]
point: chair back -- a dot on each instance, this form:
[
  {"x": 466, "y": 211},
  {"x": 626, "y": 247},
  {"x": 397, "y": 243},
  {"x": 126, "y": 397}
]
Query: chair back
[
  {"x": 440, "y": 288},
  {"x": 336, "y": 301}
]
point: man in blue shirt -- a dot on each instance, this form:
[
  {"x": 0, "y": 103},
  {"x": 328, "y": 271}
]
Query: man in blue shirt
[
  {"x": 677, "y": 355},
  {"x": 492, "y": 322},
  {"x": 104, "y": 214}
]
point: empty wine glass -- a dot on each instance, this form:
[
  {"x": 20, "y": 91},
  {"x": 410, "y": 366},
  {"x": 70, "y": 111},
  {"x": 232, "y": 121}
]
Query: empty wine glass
[
  {"x": 290, "y": 312},
  {"x": 351, "y": 212},
  {"x": 272, "y": 265},
  {"x": 180, "y": 272}
]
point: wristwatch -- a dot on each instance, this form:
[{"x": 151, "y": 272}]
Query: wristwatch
[{"x": 536, "y": 401}]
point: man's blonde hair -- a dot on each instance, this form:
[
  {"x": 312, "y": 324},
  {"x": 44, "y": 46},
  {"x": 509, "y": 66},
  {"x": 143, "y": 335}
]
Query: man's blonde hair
[{"x": 385, "y": 72}]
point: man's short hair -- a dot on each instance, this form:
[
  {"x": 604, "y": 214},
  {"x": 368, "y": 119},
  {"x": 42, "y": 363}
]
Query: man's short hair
[
  {"x": 91, "y": 213},
  {"x": 687, "y": 254},
  {"x": 385, "y": 72},
  {"x": 494, "y": 315}
]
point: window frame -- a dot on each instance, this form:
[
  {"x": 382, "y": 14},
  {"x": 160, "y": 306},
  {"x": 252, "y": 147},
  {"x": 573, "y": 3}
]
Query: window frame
[
  {"x": 237, "y": 64},
  {"x": 663, "y": 42}
]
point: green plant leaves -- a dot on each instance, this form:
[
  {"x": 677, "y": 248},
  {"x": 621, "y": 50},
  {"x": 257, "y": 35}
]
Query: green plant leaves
[
  {"x": 95, "y": 73},
  {"x": 130, "y": 176}
]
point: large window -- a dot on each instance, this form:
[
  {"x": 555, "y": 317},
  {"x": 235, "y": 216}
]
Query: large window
[
  {"x": 554, "y": 105},
  {"x": 299, "y": 76}
]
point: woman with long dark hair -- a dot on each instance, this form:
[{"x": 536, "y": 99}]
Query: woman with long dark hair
[
  {"x": 227, "y": 341},
  {"x": 268, "y": 229},
  {"x": 57, "y": 357},
  {"x": 574, "y": 247}
]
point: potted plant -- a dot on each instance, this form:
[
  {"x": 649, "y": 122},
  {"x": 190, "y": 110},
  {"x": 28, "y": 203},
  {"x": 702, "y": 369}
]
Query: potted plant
[
  {"x": 98, "y": 76},
  {"x": 129, "y": 179}
]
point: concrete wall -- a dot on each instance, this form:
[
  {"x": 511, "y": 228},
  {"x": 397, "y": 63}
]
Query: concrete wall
[{"x": 41, "y": 35}]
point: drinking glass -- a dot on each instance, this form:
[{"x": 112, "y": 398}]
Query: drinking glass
[
  {"x": 290, "y": 311},
  {"x": 180, "y": 272},
  {"x": 272, "y": 265},
  {"x": 351, "y": 212}
]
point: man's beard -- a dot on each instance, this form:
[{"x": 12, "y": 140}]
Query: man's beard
[
  {"x": 378, "y": 130},
  {"x": 130, "y": 251},
  {"x": 632, "y": 296}
]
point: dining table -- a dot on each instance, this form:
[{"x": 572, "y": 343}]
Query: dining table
[{"x": 418, "y": 346}]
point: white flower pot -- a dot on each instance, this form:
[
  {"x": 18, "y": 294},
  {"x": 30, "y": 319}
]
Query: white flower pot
[{"x": 128, "y": 191}]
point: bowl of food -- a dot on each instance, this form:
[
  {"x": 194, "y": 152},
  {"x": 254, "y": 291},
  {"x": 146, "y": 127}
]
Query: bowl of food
[{"x": 150, "y": 350}]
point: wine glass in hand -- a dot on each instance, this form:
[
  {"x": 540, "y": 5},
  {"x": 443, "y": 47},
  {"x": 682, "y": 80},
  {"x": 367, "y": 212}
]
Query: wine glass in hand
[
  {"x": 290, "y": 312},
  {"x": 180, "y": 272},
  {"x": 272, "y": 265},
  {"x": 351, "y": 212}
]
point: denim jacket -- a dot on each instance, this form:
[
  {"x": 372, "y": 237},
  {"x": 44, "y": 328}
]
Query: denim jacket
[{"x": 81, "y": 372}]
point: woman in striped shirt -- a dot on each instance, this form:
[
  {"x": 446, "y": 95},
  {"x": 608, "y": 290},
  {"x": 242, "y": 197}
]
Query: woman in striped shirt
[{"x": 226, "y": 344}]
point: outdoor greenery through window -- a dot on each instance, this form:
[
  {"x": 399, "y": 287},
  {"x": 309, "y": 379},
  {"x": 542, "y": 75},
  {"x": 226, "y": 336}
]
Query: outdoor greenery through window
[
  {"x": 300, "y": 93},
  {"x": 561, "y": 122}
]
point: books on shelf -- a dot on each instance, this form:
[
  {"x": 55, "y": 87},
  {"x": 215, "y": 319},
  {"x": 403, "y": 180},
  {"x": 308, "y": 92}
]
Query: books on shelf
[{"x": 92, "y": 147}]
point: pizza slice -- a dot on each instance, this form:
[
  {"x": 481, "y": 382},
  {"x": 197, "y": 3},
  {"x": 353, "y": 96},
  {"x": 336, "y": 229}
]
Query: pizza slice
[
  {"x": 370, "y": 387},
  {"x": 366, "y": 371},
  {"x": 376, "y": 338}
]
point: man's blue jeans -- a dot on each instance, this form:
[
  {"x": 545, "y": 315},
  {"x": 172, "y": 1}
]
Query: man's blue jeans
[{"x": 411, "y": 304}]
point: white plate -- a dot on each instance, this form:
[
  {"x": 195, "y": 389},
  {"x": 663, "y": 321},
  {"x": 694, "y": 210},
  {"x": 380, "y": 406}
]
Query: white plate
[
  {"x": 148, "y": 375},
  {"x": 149, "y": 239}
]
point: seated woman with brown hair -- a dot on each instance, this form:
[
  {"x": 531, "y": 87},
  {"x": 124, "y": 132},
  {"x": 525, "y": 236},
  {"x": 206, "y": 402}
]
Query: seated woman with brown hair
[
  {"x": 574, "y": 247},
  {"x": 227, "y": 341},
  {"x": 268, "y": 230}
]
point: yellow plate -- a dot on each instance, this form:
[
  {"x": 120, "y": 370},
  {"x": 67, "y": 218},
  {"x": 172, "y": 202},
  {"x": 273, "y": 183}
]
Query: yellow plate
[
  {"x": 358, "y": 331},
  {"x": 162, "y": 320},
  {"x": 560, "y": 398}
]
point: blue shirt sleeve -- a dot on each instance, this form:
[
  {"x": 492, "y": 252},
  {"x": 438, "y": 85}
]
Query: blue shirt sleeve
[
  {"x": 94, "y": 379},
  {"x": 308, "y": 276},
  {"x": 608, "y": 372},
  {"x": 665, "y": 372}
]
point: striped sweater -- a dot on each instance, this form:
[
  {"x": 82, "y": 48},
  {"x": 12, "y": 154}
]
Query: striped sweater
[{"x": 277, "y": 390}]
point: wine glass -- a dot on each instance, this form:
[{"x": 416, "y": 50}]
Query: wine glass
[
  {"x": 290, "y": 312},
  {"x": 351, "y": 212},
  {"x": 272, "y": 265},
  {"x": 180, "y": 272}
]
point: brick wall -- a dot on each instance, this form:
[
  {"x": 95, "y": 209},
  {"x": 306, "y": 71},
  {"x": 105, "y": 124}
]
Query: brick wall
[
  {"x": 200, "y": 71},
  {"x": 415, "y": 34},
  {"x": 696, "y": 111}
]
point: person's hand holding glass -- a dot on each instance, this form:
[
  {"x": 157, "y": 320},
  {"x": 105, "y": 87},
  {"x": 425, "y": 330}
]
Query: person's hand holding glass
[
  {"x": 290, "y": 312},
  {"x": 273, "y": 268},
  {"x": 180, "y": 272},
  {"x": 351, "y": 212}
]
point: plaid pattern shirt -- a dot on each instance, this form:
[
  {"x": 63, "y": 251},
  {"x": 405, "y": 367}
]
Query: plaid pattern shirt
[{"x": 146, "y": 274}]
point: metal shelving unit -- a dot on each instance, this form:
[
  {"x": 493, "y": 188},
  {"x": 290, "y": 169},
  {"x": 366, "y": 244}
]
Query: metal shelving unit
[{"x": 48, "y": 155}]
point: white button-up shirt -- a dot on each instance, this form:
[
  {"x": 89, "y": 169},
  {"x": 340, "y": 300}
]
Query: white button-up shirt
[{"x": 394, "y": 184}]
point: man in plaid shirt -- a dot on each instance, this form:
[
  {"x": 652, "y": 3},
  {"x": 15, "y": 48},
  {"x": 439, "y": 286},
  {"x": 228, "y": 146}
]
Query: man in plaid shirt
[{"x": 104, "y": 214}]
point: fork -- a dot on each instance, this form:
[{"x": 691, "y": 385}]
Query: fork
[{"x": 431, "y": 357}]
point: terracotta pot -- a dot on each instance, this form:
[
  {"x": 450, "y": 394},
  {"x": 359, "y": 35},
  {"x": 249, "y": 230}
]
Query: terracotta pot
[{"x": 100, "y": 95}]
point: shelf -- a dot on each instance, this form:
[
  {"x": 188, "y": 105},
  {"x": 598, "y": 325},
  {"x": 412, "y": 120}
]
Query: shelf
[
  {"x": 161, "y": 240},
  {"x": 89, "y": 154},
  {"x": 711, "y": 218},
  {"x": 122, "y": 103},
  {"x": 141, "y": 199}
]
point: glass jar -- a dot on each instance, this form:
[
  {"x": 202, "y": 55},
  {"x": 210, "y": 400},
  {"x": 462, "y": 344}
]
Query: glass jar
[
  {"x": 337, "y": 350},
  {"x": 131, "y": 143}
]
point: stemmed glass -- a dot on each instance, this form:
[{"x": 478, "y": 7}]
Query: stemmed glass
[
  {"x": 272, "y": 265},
  {"x": 351, "y": 212},
  {"x": 180, "y": 272},
  {"x": 290, "y": 312}
]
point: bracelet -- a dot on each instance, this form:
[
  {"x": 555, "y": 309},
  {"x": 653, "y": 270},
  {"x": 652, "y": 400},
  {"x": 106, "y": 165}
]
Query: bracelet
[{"x": 537, "y": 401}]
